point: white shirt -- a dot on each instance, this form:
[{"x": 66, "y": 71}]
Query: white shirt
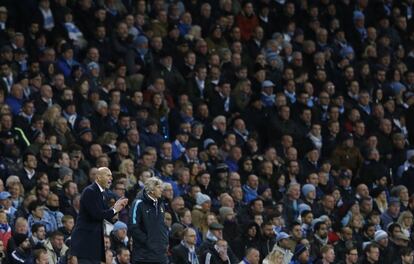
[
  {"x": 102, "y": 190},
  {"x": 30, "y": 174}
]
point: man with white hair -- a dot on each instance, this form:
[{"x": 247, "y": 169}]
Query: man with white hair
[
  {"x": 217, "y": 129},
  {"x": 146, "y": 225}
]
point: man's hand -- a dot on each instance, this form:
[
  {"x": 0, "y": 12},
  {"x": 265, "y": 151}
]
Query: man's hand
[{"x": 120, "y": 204}]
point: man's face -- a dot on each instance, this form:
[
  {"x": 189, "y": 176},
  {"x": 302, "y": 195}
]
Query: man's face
[
  {"x": 53, "y": 200},
  {"x": 57, "y": 242},
  {"x": 124, "y": 257},
  {"x": 330, "y": 256},
  {"x": 192, "y": 152},
  {"x": 46, "y": 151},
  {"x": 31, "y": 162},
  {"x": 363, "y": 190},
  {"x": 323, "y": 231},
  {"x": 254, "y": 257},
  {"x": 268, "y": 231},
  {"x": 123, "y": 149},
  {"x": 293, "y": 168},
  {"x": 38, "y": 212},
  {"x": 25, "y": 244},
  {"x": 191, "y": 237},
  {"x": 202, "y": 73},
  {"x": 104, "y": 178},
  {"x": 257, "y": 207},
  {"x": 167, "y": 149},
  {"x": 73, "y": 189},
  {"x": 69, "y": 224},
  {"x": 22, "y": 228},
  {"x": 373, "y": 254},
  {"x": 41, "y": 233},
  {"x": 222, "y": 246},
  {"x": 297, "y": 232},
  {"x": 308, "y": 218},
  {"x": 253, "y": 182},
  {"x": 294, "y": 192},
  {"x": 304, "y": 257},
  {"x": 408, "y": 259},
  {"x": 121, "y": 233},
  {"x": 352, "y": 256},
  {"x": 120, "y": 189},
  {"x": 42, "y": 259},
  {"x": 394, "y": 209},
  {"x": 157, "y": 192}
]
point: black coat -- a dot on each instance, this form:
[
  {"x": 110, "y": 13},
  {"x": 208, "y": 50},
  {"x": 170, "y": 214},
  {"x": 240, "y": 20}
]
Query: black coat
[
  {"x": 407, "y": 179},
  {"x": 88, "y": 236},
  {"x": 148, "y": 230},
  {"x": 213, "y": 257},
  {"x": 217, "y": 105},
  {"x": 180, "y": 255},
  {"x": 28, "y": 183}
]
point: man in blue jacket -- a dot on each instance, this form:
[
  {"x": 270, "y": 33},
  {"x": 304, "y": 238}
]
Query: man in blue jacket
[{"x": 147, "y": 227}]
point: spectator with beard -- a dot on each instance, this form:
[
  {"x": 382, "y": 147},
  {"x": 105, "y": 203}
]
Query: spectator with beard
[
  {"x": 22, "y": 253},
  {"x": 320, "y": 238}
]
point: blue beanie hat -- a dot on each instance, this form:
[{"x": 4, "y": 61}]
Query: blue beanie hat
[
  {"x": 119, "y": 225},
  {"x": 307, "y": 188}
]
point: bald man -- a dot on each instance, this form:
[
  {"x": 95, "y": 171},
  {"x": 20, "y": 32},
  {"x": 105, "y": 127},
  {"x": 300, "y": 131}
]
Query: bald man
[{"x": 88, "y": 235}]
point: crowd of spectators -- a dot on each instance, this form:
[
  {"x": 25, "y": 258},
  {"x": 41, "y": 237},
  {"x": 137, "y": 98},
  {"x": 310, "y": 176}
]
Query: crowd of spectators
[{"x": 283, "y": 130}]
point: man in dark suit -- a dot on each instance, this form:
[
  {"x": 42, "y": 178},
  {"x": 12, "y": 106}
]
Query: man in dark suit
[
  {"x": 88, "y": 234},
  {"x": 221, "y": 103}
]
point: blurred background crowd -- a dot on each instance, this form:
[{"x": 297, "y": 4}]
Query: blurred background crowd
[{"x": 283, "y": 130}]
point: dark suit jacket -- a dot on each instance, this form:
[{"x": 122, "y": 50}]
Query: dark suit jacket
[
  {"x": 180, "y": 255},
  {"x": 87, "y": 237},
  {"x": 217, "y": 105}
]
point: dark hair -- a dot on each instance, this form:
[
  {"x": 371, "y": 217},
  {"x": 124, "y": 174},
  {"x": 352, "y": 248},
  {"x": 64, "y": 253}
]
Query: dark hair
[
  {"x": 367, "y": 225},
  {"x": 35, "y": 227},
  {"x": 305, "y": 213},
  {"x": 393, "y": 226},
  {"x": 349, "y": 249},
  {"x": 26, "y": 155},
  {"x": 34, "y": 205},
  {"x": 56, "y": 234},
  {"x": 318, "y": 225},
  {"x": 38, "y": 252},
  {"x": 66, "y": 184},
  {"x": 295, "y": 223},
  {"x": 369, "y": 247},
  {"x": 120, "y": 250}
]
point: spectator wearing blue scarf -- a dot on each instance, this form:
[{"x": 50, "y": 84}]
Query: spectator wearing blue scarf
[{"x": 267, "y": 96}]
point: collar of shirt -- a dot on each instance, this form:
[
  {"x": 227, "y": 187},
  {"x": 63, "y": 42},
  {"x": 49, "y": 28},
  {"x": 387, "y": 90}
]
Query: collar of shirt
[
  {"x": 200, "y": 82},
  {"x": 100, "y": 187},
  {"x": 30, "y": 174},
  {"x": 153, "y": 199}
]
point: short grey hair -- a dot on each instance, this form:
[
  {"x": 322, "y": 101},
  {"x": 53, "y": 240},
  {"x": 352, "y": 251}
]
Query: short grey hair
[
  {"x": 12, "y": 179},
  {"x": 218, "y": 119},
  {"x": 100, "y": 104},
  {"x": 166, "y": 185},
  {"x": 151, "y": 183}
]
